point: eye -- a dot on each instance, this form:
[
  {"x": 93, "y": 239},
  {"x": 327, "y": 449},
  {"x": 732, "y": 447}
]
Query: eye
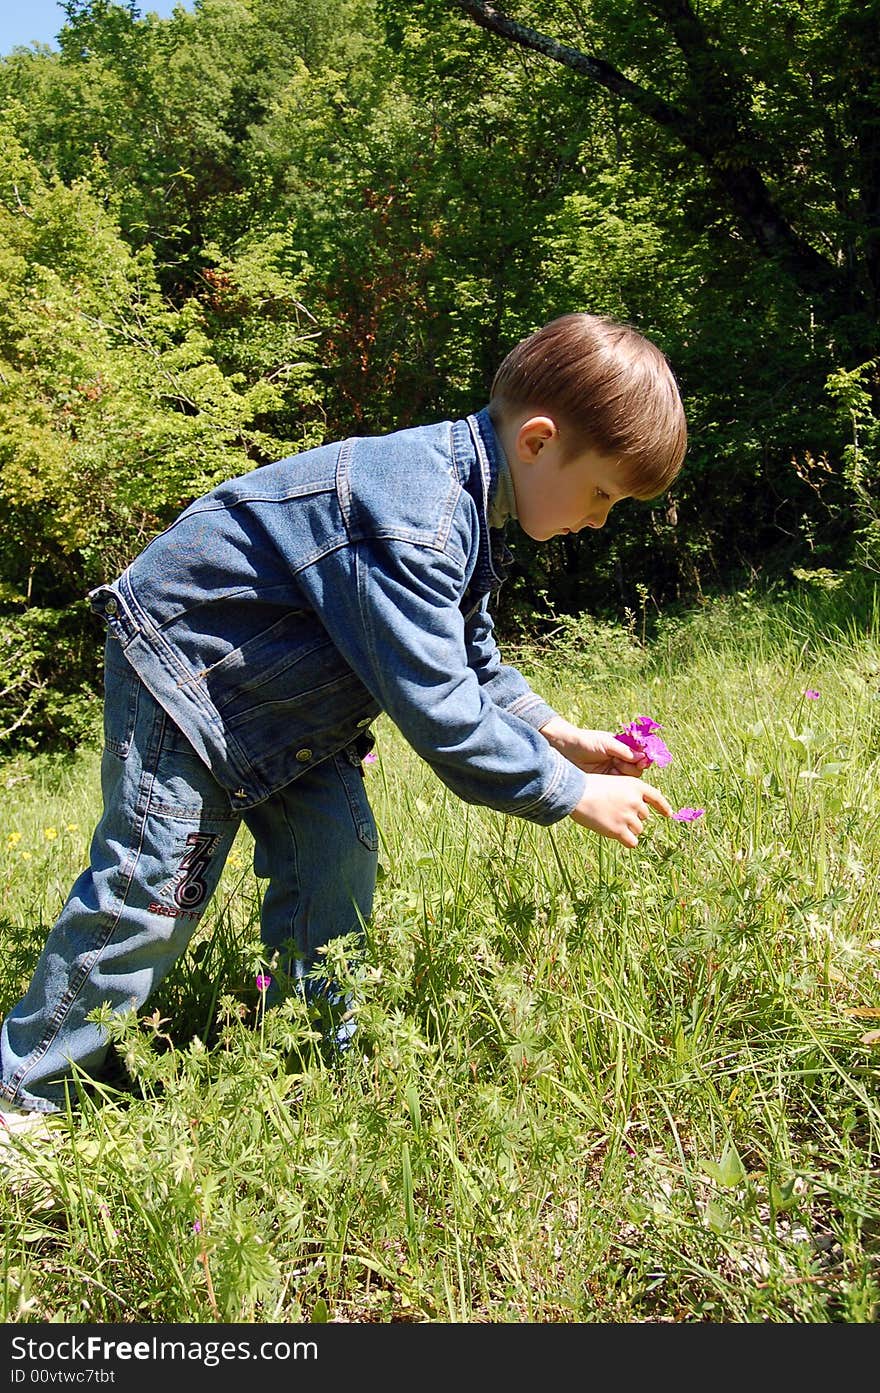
[{"x": 600, "y": 493}]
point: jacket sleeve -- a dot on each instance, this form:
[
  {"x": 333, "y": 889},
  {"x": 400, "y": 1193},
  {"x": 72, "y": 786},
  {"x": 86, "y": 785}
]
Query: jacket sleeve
[
  {"x": 403, "y": 633},
  {"x": 504, "y": 685}
]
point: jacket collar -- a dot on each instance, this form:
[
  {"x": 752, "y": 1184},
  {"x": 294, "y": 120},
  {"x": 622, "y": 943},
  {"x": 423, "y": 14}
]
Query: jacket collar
[{"x": 481, "y": 482}]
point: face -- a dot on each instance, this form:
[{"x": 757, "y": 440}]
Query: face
[{"x": 556, "y": 496}]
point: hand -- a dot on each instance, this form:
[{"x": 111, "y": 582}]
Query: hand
[
  {"x": 618, "y": 807},
  {"x": 594, "y": 751}
]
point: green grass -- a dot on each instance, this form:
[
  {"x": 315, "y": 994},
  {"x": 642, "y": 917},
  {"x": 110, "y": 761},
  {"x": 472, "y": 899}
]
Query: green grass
[{"x": 590, "y": 1084}]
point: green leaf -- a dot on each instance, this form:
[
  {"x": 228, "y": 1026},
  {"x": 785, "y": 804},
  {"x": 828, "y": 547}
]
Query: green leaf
[
  {"x": 783, "y": 1197},
  {"x": 729, "y": 1171},
  {"x": 716, "y": 1216}
]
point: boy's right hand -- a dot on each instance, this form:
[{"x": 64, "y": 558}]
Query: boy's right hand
[{"x": 617, "y": 806}]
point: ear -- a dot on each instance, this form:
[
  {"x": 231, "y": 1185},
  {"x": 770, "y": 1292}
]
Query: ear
[{"x": 533, "y": 435}]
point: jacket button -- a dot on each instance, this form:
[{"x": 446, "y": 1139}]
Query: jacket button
[
  {"x": 303, "y": 756},
  {"x": 111, "y": 606}
]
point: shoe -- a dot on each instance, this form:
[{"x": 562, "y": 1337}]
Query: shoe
[
  {"x": 18, "y": 1122},
  {"x": 25, "y": 1147}
]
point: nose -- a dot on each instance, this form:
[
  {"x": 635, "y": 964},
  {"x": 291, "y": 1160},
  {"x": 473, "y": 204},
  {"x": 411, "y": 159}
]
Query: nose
[{"x": 599, "y": 516}]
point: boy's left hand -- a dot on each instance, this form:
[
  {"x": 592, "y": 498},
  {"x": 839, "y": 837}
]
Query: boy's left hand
[{"x": 594, "y": 751}]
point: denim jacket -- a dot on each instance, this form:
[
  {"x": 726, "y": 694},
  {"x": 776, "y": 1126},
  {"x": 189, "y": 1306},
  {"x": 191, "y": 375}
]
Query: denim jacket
[{"x": 283, "y": 611}]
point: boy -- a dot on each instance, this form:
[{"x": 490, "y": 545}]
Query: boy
[{"x": 251, "y": 645}]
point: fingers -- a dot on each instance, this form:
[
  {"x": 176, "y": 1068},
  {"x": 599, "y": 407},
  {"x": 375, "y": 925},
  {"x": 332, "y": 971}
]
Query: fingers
[
  {"x": 634, "y": 770},
  {"x": 626, "y": 761},
  {"x": 650, "y": 798},
  {"x": 618, "y": 750},
  {"x": 619, "y": 807},
  {"x": 655, "y": 798}
]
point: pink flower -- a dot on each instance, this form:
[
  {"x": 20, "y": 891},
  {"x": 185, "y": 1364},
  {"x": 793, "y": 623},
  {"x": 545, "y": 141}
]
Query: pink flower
[
  {"x": 639, "y": 736},
  {"x": 811, "y": 694},
  {"x": 370, "y": 758},
  {"x": 197, "y": 1226},
  {"x": 688, "y": 814},
  {"x": 264, "y": 981}
]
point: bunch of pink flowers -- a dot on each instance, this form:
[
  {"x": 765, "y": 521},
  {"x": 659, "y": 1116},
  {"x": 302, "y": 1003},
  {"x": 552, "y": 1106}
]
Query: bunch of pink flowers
[{"x": 641, "y": 736}]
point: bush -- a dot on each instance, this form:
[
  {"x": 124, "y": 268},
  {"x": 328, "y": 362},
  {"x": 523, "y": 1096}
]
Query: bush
[{"x": 49, "y": 666}]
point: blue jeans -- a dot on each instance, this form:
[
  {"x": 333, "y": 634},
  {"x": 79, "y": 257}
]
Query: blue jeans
[{"x": 156, "y": 856}]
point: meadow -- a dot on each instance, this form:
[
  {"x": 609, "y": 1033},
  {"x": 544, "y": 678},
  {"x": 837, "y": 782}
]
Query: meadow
[{"x": 587, "y": 1085}]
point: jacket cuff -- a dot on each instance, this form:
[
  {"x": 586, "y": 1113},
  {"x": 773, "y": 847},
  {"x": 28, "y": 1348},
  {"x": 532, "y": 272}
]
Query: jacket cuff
[
  {"x": 531, "y": 709},
  {"x": 563, "y": 795}
]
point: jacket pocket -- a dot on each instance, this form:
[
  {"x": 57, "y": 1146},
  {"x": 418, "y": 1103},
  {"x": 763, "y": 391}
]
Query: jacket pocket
[{"x": 291, "y": 654}]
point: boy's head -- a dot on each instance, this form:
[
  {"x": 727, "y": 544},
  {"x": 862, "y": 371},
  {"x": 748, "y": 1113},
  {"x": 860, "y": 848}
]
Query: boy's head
[{"x": 606, "y": 394}]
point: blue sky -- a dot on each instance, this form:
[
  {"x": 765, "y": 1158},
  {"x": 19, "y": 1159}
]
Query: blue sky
[{"x": 38, "y": 21}]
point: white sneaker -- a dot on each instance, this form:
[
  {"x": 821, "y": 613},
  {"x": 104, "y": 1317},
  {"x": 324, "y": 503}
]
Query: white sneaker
[
  {"x": 21, "y": 1122},
  {"x": 25, "y": 1145}
]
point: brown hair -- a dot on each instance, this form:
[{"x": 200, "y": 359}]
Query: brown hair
[{"x": 610, "y": 386}]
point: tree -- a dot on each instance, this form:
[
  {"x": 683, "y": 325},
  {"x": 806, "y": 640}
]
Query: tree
[
  {"x": 114, "y": 414},
  {"x": 738, "y": 75},
  {"x": 163, "y": 108},
  {"x": 238, "y": 231}
]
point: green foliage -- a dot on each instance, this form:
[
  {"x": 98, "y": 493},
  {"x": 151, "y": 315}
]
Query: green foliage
[
  {"x": 115, "y": 410},
  {"x": 856, "y": 395},
  {"x": 260, "y": 224},
  {"x": 165, "y": 106},
  {"x": 588, "y": 1085},
  {"x": 46, "y": 659}
]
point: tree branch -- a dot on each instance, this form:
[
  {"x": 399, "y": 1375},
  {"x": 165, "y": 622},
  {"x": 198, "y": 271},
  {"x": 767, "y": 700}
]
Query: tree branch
[
  {"x": 488, "y": 17},
  {"x": 719, "y": 144}
]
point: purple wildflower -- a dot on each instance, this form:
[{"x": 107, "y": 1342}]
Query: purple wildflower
[
  {"x": 197, "y": 1226},
  {"x": 688, "y": 814},
  {"x": 370, "y": 758},
  {"x": 640, "y": 736},
  {"x": 811, "y": 694},
  {"x": 264, "y": 981}
]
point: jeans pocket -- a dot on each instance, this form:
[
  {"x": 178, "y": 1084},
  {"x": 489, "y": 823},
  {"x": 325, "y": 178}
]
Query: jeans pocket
[
  {"x": 121, "y": 687},
  {"x": 358, "y": 802}
]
